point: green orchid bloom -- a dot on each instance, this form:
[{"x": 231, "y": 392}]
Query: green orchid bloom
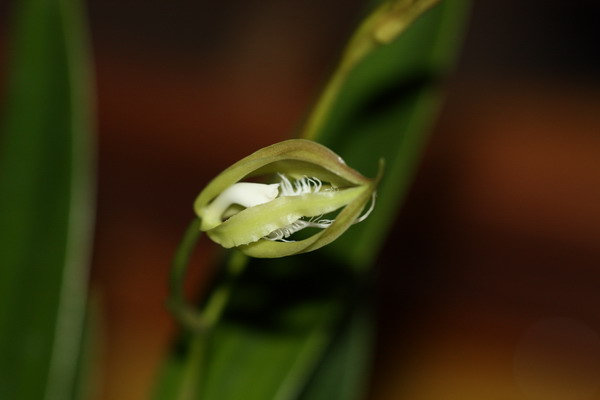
[{"x": 260, "y": 219}]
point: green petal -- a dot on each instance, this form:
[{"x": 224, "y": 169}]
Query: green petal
[
  {"x": 254, "y": 223},
  {"x": 295, "y": 157}
]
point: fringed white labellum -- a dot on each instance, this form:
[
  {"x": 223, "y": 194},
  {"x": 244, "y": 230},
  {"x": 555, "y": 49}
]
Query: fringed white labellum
[{"x": 303, "y": 186}]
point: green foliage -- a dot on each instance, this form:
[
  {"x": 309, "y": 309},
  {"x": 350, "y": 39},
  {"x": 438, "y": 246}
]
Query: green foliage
[
  {"x": 341, "y": 374},
  {"x": 45, "y": 198},
  {"x": 386, "y": 109}
]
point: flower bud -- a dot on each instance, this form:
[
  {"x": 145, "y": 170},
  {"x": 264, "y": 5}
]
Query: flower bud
[{"x": 261, "y": 219}]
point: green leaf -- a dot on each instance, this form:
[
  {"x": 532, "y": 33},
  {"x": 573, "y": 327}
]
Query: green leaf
[
  {"x": 279, "y": 320},
  {"x": 45, "y": 198},
  {"x": 386, "y": 110},
  {"x": 85, "y": 385},
  {"x": 387, "y": 106},
  {"x": 343, "y": 372}
]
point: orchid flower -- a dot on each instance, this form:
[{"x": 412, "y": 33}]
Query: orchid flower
[{"x": 261, "y": 219}]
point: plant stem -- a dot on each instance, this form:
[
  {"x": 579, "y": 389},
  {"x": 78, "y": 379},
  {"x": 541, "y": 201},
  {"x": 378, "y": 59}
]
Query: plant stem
[
  {"x": 182, "y": 258},
  {"x": 199, "y": 323},
  {"x": 317, "y": 118},
  {"x": 182, "y": 311},
  {"x": 211, "y": 314},
  {"x": 382, "y": 26}
]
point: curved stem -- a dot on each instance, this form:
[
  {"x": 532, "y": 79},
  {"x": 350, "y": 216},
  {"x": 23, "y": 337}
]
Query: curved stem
[
  {"x": 190, "y": 317},
  {"x": 197, "y": 322},
  {"x": 382, "y": 26},
  {"x": 351, "y": 56},
  {"x": 212, "y": 311},
  {"x": 182, "y": 311}
]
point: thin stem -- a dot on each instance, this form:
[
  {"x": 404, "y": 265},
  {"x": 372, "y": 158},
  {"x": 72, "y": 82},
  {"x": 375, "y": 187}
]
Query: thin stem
[
  {"x": 182, "y": 311},
  {"x": 317, "y": 118},
  {"x": 382, "y": 26},
  {"x": 199, "y": 323},
  {"x": 185, "y": 313},
  {"x": 211, "y": 314},
  {"x": 355, "y": 51}
]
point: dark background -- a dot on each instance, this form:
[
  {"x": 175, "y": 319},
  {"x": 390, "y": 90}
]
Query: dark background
[{"x": 491, "y": 275}]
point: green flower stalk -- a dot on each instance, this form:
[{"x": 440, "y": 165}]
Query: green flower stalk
[{"x": 260, "y": 219}]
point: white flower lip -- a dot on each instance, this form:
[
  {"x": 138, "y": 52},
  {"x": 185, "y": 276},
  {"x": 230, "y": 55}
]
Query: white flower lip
[{"x": 245, "y": 194}]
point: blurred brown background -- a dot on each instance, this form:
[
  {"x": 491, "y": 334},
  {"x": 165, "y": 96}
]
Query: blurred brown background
[{"x": 492, "y": 273}]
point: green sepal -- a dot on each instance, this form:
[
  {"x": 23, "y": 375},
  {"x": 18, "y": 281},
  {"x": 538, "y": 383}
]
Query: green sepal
[
  {"x": 254, "y": 223},
  {"x": 294, "y": 157}
]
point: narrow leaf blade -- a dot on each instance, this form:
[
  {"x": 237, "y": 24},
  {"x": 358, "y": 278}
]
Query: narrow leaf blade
[
  {"x": 45, "y": 198},
  {"x": 343, "y": 371},
  {"x": 386, "y": 110}
]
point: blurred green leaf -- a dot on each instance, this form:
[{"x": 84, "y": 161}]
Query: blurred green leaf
[
  {"x": 340, "y": 374},
  {"x": 386, "y": 109},
  {"x": 382, "y": 108},
  {"x": 279, "y": 320},
  {"x": 46, "y": 202},
  {"x": 85, "y": 383}
]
